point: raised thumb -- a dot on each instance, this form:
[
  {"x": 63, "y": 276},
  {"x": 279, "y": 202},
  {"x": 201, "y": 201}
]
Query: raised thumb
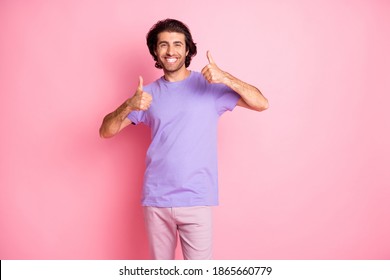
[
  {"x": 210, "y": 58},
  {"x": 140, "y": 83}
]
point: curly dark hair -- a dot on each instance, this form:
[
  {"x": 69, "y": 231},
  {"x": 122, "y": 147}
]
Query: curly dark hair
[{"x": 170, "y": 25}]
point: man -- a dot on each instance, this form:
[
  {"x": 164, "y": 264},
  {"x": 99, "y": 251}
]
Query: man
[{"x": 182, "y": 109}]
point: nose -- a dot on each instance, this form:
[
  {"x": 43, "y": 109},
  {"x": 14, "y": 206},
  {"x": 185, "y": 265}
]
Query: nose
[{"x": 169, "y": 50}]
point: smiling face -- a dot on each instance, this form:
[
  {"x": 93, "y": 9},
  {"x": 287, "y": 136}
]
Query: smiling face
[{"x": 171, "y": 52}]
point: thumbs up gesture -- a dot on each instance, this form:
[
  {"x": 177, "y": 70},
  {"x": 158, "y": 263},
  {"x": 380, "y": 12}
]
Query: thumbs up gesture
[
  {"x": 211, "y": 72},
  {"x": 141, "y": 100}
]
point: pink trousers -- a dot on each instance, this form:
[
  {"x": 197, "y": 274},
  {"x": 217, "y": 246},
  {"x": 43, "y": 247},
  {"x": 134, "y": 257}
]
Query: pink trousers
[{"x": 192, "y": 224}]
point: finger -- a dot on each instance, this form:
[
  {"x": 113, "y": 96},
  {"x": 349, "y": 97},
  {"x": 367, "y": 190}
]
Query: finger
[
  {"x": 140, "y": 83},
  {"x": 146, "y": 98},
  {"x": 210, "y": 58},
  {"x": 204, "y": 70},
  {"x": 145, "y": 104}
]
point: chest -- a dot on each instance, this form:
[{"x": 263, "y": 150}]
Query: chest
[{"x": 181, "y": 107}]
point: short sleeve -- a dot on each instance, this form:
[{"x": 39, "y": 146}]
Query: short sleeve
[
  {"x": 226, "y": 99},
  {"x": 137, "y": 117}
]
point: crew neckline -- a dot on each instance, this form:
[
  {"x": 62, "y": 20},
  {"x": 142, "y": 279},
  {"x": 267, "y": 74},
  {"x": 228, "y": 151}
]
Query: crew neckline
[{"x": 176, "y": 82}]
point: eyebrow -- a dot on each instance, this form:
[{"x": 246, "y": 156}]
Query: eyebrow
[{"x": 166, "y": 42}]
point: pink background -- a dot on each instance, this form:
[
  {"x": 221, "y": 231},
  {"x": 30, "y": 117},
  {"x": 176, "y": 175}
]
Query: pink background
[{"x": 307, "y": 179}]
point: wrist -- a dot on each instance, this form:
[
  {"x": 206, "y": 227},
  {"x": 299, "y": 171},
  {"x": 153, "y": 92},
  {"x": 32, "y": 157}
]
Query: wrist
[
  {"x": 122, "y": 111},
  {"x": 129, "y": 104},
  {"x": 227, "y": 79}
]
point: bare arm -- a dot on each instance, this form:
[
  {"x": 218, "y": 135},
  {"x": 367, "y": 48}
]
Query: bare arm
[
  {"x": 251, "y": 97},
  {"x": 117, "y": 120}
]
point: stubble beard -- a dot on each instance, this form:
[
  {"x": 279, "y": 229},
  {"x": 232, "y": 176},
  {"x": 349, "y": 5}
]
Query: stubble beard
[{"x": 171, "y": 70}]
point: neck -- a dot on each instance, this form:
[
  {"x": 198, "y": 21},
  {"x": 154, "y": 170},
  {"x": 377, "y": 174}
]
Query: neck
[{"x": 176, "y": 76}]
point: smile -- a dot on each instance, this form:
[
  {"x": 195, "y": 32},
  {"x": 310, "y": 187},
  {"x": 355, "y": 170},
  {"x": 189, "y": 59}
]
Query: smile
[{"x": 171, "y": 59}]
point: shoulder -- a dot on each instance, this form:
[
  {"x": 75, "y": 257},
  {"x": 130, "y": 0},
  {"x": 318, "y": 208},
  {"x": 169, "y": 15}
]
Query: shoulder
[
  {"x": 153, "y": 84},
  {"x": 199, "y": 79},
  {"x": 152, "y": 87},
  {"x": 195, "y": 75}
]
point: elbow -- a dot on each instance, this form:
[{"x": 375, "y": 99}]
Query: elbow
[
  {"x": 106, "y": 129},
  {"x": 104, "y": 133},
  {"x": 262, "y": 106}
]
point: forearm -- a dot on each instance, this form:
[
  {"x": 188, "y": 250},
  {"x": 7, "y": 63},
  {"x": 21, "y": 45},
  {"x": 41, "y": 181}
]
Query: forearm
[
  {"x": 249, "y": 94},
  {"x": 117, "y": 120},
  {"x": 112, "y": 122}
]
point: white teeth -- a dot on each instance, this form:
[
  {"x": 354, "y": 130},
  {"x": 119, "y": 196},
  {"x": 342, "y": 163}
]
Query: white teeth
[{"x": 171, "y": 60}]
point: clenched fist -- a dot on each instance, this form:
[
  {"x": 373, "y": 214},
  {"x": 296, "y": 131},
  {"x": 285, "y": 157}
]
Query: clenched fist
[{"x": 141, "y": 100}]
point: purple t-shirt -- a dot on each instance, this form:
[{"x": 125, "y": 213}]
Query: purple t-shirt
[{"x": 181, "y": 162}]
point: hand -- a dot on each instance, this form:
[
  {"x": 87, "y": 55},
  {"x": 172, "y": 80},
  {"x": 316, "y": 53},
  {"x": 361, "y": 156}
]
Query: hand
[
  {"x": 211, "y": 72},
  {"x": 141, "y": 100}
]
